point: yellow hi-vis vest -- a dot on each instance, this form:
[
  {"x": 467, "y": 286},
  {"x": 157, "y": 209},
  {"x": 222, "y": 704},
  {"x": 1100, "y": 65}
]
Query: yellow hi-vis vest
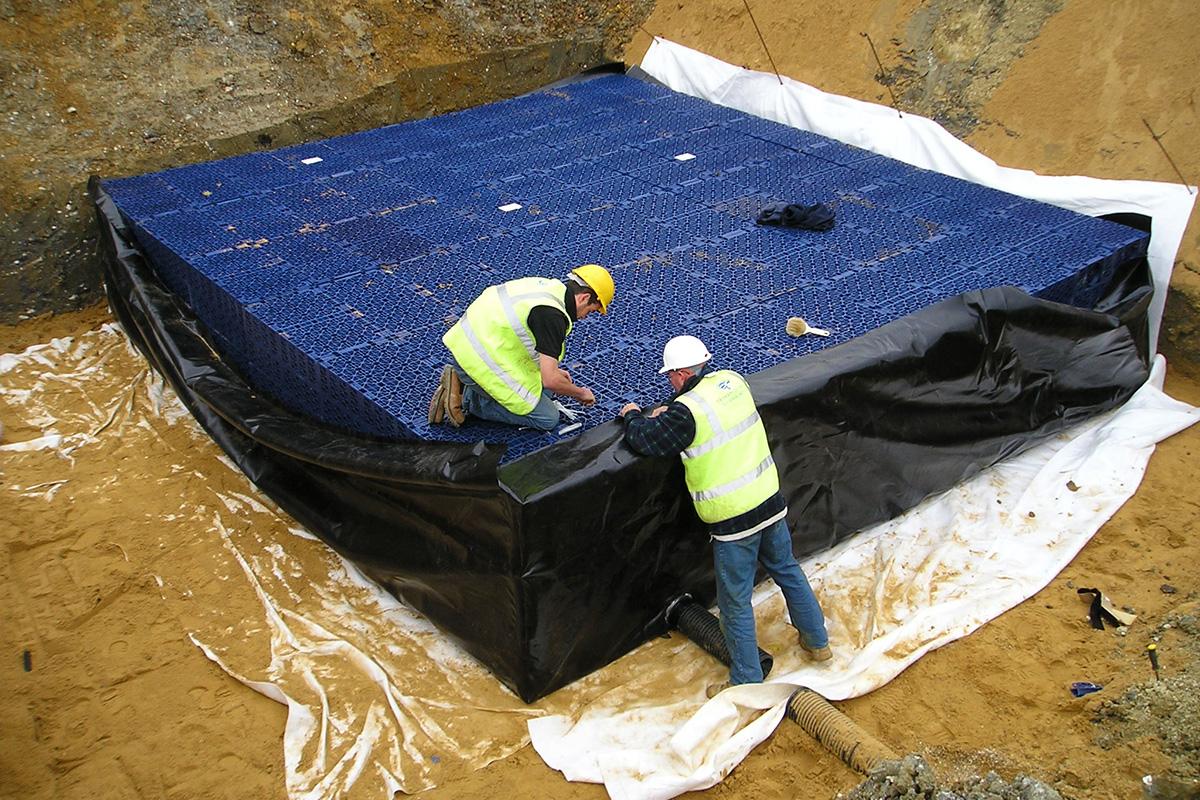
[
  {"x": 728, "y": 466},
  {"x": 493, "y": 344}
]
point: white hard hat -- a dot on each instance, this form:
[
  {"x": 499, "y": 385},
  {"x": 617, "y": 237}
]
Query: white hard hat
[{"x": 684, "y": 351}]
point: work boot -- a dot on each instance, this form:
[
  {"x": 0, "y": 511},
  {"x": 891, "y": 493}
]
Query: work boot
[
  {"x": 452, "y": 397},
  {"x": 437, "y": 403},
  {"x": 815, "y": 653},
  {"x": 715, "y": 689}
]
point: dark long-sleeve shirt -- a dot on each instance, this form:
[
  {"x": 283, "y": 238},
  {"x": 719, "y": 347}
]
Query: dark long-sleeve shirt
[{"x": 669, "y": 434}]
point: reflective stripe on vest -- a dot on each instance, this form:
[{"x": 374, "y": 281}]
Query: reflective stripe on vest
[
  {"x": 493, "y": 344},
  {"x": 728, "y": 465}
]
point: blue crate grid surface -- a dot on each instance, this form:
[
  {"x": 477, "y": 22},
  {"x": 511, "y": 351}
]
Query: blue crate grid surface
[{"x": 329, "y": 271}]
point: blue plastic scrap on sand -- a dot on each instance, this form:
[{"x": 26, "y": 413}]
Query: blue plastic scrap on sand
[
  {"x": 1081, "y": 688},
  {"x": 328, "y": 272}
]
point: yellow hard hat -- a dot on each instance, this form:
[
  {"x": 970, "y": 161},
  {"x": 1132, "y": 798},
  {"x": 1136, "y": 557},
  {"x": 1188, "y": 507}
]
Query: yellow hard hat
[{"x": 596, "y": 278}]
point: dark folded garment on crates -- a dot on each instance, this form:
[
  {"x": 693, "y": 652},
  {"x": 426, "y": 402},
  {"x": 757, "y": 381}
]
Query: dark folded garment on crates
[{"x": 817, "y": 217}]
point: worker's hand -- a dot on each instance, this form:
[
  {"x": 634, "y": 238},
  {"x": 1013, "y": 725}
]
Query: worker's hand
[
  {"x": 658, "y": 411},
  {"x": 586, "y": 397},
  {"x": 625, "y": 409}
]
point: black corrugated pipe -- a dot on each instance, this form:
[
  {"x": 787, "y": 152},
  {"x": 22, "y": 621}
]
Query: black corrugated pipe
[
  {"x": 859, "y": 749},
  {"x": 695, "y": 622}
]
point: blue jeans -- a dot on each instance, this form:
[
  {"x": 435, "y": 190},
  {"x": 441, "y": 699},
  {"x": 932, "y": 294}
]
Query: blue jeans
[
  {"x": 736, "y": 563},
  {"x": 479, "y": 403}
]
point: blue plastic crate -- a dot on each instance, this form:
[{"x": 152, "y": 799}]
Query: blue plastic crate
[
  {"x": 858, "y": 246},
  {"x": 366, "y": 257},
  {"x": 452, "y": 286},
  {"x": 762, "y": 243},
  {"x": 377, "y": 239},
  {"x": 1110, "y": 236},
  {"x": 318, "y": 256},
  {"x": 288, "y": 309},
  {"x": 963, "y": 249},
  {"x": 1043, "y": 215},
  {"x": 143, "y": 196},
  {"x": 828, "y": 308},
  {"x": 322, "y": 338},
  {"x": 384, "y": 300},
  {"x": 606, "y": 250},
  {"x": 199, "y": 184},
  {"x": 873, "y": 288},
  {"x": 1016, "y": 269},
  {"x": 900, "y": 230},
  {"x": 385, "y": 194},
  {"x": 509, "y": 262},
  {"x": 711, "y": 225},
  {"x": 713, "y": 191},
  {"x": 1062, "y": 255},
  {"x": 257, "y": 284},
  {"x": 431, "y": 178},
  {"x": 191, "y": 232},
  {"x": 909, "y": 303},
  {"x": 912, "y": 267},
  {"x": 912, "y": 202},
  {"x": 252, "y": 221},
  {"x": 583, "y": 173},
  {"x": 667, "y": 174},
  {"x": 657, "y": 277},
  {"x": 967, "y": 280},
  {"x": 303, "y": 159},
  {"x": 628, "y": 159},
  {"x": 667, "y": 145}
]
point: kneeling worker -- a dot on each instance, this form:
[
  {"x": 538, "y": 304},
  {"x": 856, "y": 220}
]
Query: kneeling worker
[
  {"x": 507, "y": 346},
  {"x": 712, "y": 423}
]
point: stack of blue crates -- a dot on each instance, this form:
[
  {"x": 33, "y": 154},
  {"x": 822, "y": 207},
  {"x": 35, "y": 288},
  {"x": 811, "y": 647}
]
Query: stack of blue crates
[{"x": 328, "y": 272}]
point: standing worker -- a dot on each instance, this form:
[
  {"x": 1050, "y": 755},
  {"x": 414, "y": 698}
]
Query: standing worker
[
  {"x": 505, "y": 350},
  {"x": 712, "y": 423}
]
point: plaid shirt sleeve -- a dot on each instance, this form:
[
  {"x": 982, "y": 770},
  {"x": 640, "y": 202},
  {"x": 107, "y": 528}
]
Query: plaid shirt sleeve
[{"x": 668, "y": 434}]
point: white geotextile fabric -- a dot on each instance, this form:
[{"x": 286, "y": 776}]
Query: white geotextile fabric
[{"x": 937, "y": 573}]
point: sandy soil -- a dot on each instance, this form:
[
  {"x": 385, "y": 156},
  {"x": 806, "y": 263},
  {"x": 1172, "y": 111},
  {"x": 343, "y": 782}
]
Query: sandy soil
[{"x": 118, "y": 703}]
